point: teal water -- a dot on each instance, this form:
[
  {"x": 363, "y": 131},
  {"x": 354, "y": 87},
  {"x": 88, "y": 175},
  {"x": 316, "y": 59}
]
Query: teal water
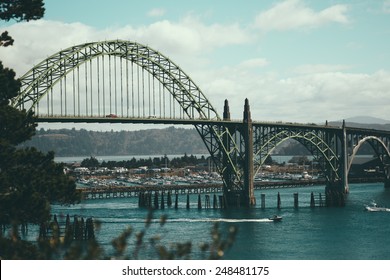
[{"x": 304, "y": 234}]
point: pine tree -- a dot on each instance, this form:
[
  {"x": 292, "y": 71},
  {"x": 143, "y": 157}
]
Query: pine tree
[{"x": 29, "y": 180}]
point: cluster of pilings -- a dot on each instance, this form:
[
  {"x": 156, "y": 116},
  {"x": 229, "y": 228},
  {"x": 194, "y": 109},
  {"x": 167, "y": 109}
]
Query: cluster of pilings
[
  {"x": 316, "y": 200},
  {"x": 157, "y": 200},
  {"x": 79, "y": 229}
]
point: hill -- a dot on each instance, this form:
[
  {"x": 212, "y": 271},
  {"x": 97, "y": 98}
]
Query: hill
[{"x": 72, "y": 142}]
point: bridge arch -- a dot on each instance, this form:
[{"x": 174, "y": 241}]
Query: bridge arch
[
  {"x": 55, "y": 78},
  {"x": 313, "y": 141},
  {"x": 40, "y": 80},
  {"x": 379, "y": 147}
]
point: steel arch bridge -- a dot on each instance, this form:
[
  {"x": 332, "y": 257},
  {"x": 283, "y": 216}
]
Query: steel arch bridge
[{"x": 126, "y": 82}]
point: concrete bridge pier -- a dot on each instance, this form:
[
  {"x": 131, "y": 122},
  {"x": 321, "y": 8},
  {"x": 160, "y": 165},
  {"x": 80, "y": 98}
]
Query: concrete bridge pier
[
  {"x": 249, "y": 194},
  {"x": 337, "y": 189},
  {"x": 335, "y": 193},
  {"x": 245, "y": 196},
  {"x": 387, "y": 178}
]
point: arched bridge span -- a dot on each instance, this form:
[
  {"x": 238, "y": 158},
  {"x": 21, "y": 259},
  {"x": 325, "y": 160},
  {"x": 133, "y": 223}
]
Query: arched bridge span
[{"x": 122, "y": 81}]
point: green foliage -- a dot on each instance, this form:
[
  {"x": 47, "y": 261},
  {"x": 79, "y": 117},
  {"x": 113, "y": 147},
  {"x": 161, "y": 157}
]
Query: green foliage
[
  {"x": 144, "y": 245},
  {"x": 65, "y": 142},
  {"x": 300, "y": 160},
  {"x": 6, "y": 40},
  {"x": 29, "y": 179},
  {"x": 21, "y": 10},
  {"x": 90, "y": 162},
  {"x": 9, "y": 87}
]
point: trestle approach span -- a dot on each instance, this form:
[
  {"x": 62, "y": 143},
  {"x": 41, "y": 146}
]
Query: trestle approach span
[{"x": 122, "y": 81}]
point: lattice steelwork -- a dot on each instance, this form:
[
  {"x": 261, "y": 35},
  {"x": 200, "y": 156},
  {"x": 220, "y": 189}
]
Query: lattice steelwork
[
  {"x": 114, "y": 77},
  {"x": 121, "y": 81},
  {"x": 323, "y": 144},
  {"x": 124, "y": 80},
  {"x": 378, "y": 140}
]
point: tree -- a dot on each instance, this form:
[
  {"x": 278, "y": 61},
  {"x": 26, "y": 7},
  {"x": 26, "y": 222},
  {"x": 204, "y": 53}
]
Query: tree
[
  {"x": 29, "y": 180},
  {"x": 19, "y": 10},
  {"x": 91, "y": 162}
]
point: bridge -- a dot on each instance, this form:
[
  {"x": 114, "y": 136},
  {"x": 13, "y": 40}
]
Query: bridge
[{"x": 126, "y": 82}]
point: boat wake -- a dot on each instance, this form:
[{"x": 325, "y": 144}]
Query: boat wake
[
  {"x": 373, "y": 207},
  {"x": 186, "y": 220}
]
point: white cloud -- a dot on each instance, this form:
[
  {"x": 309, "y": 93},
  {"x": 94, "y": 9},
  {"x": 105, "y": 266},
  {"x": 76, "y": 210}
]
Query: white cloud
[
  {"x": 313, "y": 92},
  {"x": 386, "y": 6},
  {"x": 320, "y": 68},
  {"x": 293, "y": 14},
  {"x": 254, "y": 63},
  {"x": 157, "y": 12},
  {"x": 36, "y": 40},
  {"x": 314, "y": 97}
]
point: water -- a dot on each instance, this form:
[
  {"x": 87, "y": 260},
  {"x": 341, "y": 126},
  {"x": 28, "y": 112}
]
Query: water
[{"x": 304, "y": 234}]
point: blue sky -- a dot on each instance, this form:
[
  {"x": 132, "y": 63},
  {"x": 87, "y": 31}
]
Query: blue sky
[{"x": 296, "y": 60}]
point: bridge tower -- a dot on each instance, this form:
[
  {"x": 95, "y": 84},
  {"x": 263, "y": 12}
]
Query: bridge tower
[
  {"x": 227, "y": 174},
  {"x": 337, "y": 185},
  {"x": 239, "y": 193},
  {"x": 248, "y": 191}
]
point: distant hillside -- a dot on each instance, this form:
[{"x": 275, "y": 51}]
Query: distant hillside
[
  {"x": 367, "y": 120},
  {"x": 363, "y": 125},
  {"x": 72, "y": 142}
]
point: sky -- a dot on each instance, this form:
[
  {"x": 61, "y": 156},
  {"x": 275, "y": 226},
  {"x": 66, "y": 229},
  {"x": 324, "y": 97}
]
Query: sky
[{"x": 300, "y": 61}]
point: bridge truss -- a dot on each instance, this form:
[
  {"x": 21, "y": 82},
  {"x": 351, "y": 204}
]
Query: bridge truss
[
  {"x": 118, "y": 81},
  {"x": 121, "y": 81}
]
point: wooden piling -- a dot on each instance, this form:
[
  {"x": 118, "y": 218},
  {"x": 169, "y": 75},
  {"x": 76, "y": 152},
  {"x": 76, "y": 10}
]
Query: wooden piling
[
  {"x": 296, "y": 203},
  {"x": 207, "y": 201},
  {"x": 176, "y": 201},
  {"x": 263, "y": 201},
  {"x": 321, "y": 202},
  {"x": 279, "y": 203},
  {"x": 155, "y": 200},
  {"x": 215, "y": 202},
  {"x": 199, "y": 202},
  {"x": 141, "y": 199},
  {"x": 149, "y": 200},
  {"x": 162, "y": 201},
  {"x": 188, "y": 201},
  {"x": 169, "y": 199},
  {"x": 312, "y": 201}
]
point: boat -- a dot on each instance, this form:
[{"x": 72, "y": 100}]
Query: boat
[
  {"x": 373, "y": 207},
  {"x": 275, "y": 218}
]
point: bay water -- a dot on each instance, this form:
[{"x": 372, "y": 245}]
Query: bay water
[{"x": 305, "y": 233}]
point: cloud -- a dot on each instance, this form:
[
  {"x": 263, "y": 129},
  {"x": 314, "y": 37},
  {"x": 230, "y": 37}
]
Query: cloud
[
  {"x": 319, "y": 68},
  {"x": 312, "y": 92},
  {"x": 294, "y": 14},
  {"x": 313, "y": 97},
  {"x": 36, "y": 40},
  {"x": 386, "y": 7},
  {"x": 254, "y": 63},
  {"x": 157, "y": 12}
]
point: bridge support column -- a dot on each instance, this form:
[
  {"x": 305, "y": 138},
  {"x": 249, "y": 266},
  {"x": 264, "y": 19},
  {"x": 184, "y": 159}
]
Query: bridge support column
[
  {"x": 336, "y": 189},
  {"x": 227, "y": 173},
  {"x": 248, "y": 195},
  {"x": 387, "y": 176},
  {"x": 344, "y": 159},
  {"x": 335, "y": 193}
]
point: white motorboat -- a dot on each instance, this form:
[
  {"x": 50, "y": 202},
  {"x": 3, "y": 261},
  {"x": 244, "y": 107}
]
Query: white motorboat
[
  {"x": 373, "y": 207},
  {"x": 275, "y": 218}
]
